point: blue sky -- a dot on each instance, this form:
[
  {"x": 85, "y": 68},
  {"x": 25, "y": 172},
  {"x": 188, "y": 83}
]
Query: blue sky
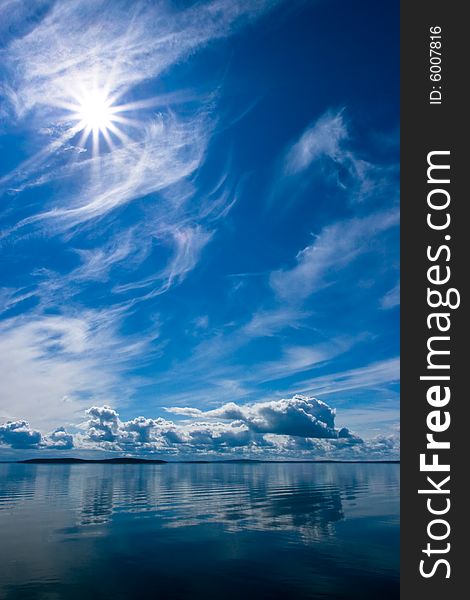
[{"x": 210, "y": 267}]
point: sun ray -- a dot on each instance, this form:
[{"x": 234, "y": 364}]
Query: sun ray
[
  {"x": 107, "y": 138},
  {"x": 95, "y": 112},
  {"x": 84, "y": 137},
  {"x": 119, "y": 134},
  {"x": 126, "y": 121},
  {"x": 96, "y": 141}
]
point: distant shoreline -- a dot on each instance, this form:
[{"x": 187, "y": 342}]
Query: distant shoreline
[{"x": 141, "y": 461}]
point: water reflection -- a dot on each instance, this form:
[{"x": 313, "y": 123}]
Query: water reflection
[
  {"x": 239, "y": 496},
  {"x": 56, "y": 514}
]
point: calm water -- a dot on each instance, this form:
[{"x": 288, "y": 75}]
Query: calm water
[{"x": 199, "y": 531}]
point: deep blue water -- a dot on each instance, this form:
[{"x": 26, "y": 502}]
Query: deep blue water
[{"x": 208, "y": 531}]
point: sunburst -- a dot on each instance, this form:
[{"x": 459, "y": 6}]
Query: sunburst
[{"x": 96, "y": 113}]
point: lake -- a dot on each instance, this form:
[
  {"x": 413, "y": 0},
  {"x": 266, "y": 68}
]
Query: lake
[{"x": 190, "y": 531}]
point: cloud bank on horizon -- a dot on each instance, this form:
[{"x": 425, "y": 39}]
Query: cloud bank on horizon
[
  {"x": 218, "y": 236},
  {"x": 302, "y": 426}
]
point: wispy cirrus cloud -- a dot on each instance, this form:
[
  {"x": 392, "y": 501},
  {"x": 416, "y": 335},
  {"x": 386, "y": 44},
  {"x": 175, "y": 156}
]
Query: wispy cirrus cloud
[
  {"x": 270, "y": 322},
  {"x": 296, "y": 359},
  {"x": 67, "y": 354},
  {"x": 169, "y": 151},
  {"x": 391, "y": 298},
  {"x": 102, "y": 237},
  {"x": 97, "y": 263},
  {"x": 334, "y": 248},
  {"x": 69, "y": 48},
  {"x": 372, "y": 375},
  {"x": 326, "y": 146},
  {"x": 323, "y": 138},
  {"x": 69, "y": 43},
  {"x": 53, "y": 364},
  {"x": 227, "y": 378},
  {"x": 326, "y": 154},
  {"x": 188, "y": 243}
]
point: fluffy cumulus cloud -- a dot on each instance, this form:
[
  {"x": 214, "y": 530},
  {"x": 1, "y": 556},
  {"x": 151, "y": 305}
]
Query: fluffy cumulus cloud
[
  {"x": 105, "y": 430},
  {"x": 105, "y": 426},
  {"x": 20, "y": 435},
  {"x": 301, "y": 416},
  {"x": 382, "y": 447},
  {"x": 102, "y": 424},
  {"x": 298, "y": 427},
  {"x": 59, "y": 440}
]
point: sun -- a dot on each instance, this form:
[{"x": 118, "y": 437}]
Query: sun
[{"x": 95, "y": 113}]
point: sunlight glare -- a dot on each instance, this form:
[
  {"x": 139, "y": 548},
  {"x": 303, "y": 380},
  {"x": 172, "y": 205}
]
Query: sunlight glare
[{"x": 96, "y": 112}]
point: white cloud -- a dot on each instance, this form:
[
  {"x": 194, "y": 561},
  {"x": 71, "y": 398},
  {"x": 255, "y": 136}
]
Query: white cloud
[
  {"x": 391, "y": 298},
  {"x": 77, "y": 45},
  {"x": 323, "y": 138},
  {"x": 295, "y": 359},
  {"x": 105, "y": 430},
  {"x": 373, "y": 375},
  {"x": 59, "y": 439},
  {"x": 168, "y": 151},
  {"x": 381, "y": 447},
  {"x": 77, "y": 41},
  {"x": 335, "y": 247},
  {"x": 299, "y": 427},
  {"x": 327, "y": 146},
  {"x": 296, "y": 416},
  {"x": 97, "y": 263},
  {"x": 188, "y": 243},
  {"x": 19, "y": 435},
  {"x": 53, "y": 364},
  {"x": 228, "y": 427},
  {"x": 270, "y": 322},
  {"x": 80, "y": 44}
]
